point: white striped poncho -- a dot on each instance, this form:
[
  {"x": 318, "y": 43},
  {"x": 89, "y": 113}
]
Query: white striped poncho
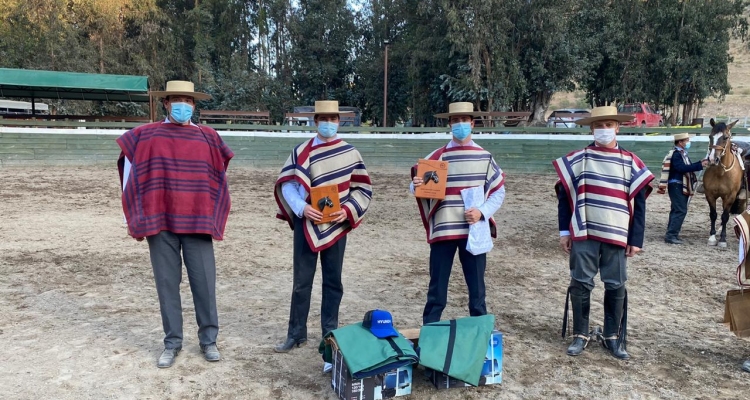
[
  {"x": 601, "y": 185},
  {"x": 332, "y": 163},
  {"x": 468, "y": 166},
  {"x": 742, "y": 231}
]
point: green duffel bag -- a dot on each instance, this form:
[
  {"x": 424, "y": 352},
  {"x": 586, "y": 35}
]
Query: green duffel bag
[
  {"x": 366, "y": 355},
  {"x": 457, "y": 347}
]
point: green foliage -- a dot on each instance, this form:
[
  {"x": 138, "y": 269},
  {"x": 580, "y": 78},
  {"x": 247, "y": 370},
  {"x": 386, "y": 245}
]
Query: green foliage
[{"x": 277, "y": 54}]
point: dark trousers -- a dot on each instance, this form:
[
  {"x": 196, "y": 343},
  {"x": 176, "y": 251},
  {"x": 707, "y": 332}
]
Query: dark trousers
[
  {"x": 166, "y": 261},
  {"x": 441, "y": 263},
  {"x": 678, "y": 211},
  {"x": 305, "y": 262}
]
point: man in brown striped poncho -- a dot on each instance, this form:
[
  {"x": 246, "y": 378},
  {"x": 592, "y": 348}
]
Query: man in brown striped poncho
[
  {"x": 320, "y": 161},
  {"x": 601, "y": 210},
  {"x": 447, "y": 221}
]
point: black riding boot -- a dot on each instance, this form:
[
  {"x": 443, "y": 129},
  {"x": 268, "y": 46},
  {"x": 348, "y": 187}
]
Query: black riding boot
[
  {"x": 580, "y": 298},
  {"x": 615, "y": 322}
]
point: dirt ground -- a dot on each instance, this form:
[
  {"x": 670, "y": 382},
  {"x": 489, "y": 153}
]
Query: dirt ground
[{"x": 80, "y": 317}]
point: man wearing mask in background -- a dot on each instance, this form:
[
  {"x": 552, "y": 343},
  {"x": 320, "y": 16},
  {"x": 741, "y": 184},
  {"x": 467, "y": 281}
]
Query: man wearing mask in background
[
  {"x": 447, "y": 221},
  {"x": 175, "y": 195},
  {"x": 320, "y": 161},
  {"x": 601, "y": 214},
  {"x": 678, "y": 178}
]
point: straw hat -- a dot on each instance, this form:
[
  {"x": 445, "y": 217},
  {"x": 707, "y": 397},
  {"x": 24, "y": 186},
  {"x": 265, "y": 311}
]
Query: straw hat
[
  {"x": 460, "y": 108},
  {"x": 326, "y": 107},
  {"x": 181, "y": 88},
  {"x": 604, "y": 113},
  {"x": 681, "y": 136}
]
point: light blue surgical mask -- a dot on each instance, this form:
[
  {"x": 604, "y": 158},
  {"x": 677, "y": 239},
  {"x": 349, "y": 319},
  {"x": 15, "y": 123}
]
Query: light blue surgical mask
[
  {"x": 181, "y": 112},
  {"x": 327, "y": 129},
  {"x": 461, "y": 130},
  {"x": 687, "y": 146}
]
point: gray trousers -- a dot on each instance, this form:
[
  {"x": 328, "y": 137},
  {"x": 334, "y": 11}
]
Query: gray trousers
[
  {"x": 198, "y": 254},
  {"x": 589, "y": 257}
]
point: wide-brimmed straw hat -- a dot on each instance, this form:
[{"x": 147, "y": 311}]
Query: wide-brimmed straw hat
[
  {"x": 604, "y": 113},
  {"x": 682, "y": 136},
  {"x": 461, "y": 108},
  {"x": 326, "y": 107},
  {"x": 181, "y": 88}
]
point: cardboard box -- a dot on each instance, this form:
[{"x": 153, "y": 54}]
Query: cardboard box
[
  {"x": 492, "y": 370},
  {"x": 393, "y": 383}
]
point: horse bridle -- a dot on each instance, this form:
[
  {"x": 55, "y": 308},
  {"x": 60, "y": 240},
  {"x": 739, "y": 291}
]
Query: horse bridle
[{"x": 727, "y": 138}]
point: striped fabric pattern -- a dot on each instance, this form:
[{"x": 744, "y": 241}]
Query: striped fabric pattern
[
  {"x": 332, "y": 163},
  {"x": 178, "y": 180},
  {"x": 687, "y": 178},
  {"x": 468, "y": 166},
  {"x": 742, "y": 230},
  {"x": 601, "y": 185}
]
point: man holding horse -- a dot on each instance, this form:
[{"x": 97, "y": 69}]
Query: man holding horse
[
  {"x": 601, "y": 213},
  {"x": 447, "y": 221},
  {"x": 678, "y": 179}
]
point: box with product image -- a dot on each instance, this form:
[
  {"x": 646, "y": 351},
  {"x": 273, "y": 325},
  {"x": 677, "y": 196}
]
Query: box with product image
[
  {"x": 386, "y": 385},
  {"x": 492, "y": 369}
]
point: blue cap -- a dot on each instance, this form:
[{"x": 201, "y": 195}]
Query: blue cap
[{"x": 380, "y": 323}]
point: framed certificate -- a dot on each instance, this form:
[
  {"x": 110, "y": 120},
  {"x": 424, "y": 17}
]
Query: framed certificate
[
  {"x": 434, "y": 173},
  {"x": 326, "y": 200}
]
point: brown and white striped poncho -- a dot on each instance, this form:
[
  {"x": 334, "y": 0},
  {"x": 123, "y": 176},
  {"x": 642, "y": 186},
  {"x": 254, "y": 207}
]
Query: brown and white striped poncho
[
  {"x": 332, "y": 163},
  {"x": 468, "y": 166}
]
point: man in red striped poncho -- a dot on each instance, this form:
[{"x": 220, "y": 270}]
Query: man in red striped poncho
[
  {"x": 601, "y": 215},
  {"x": 320, "y": 161},
  {"x": 447, "y": 221},
  {"x": 175, "y": 195}
]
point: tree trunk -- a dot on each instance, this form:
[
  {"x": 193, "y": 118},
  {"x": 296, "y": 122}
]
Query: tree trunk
[
  {"x": 539, "y": 105},
  {"x": 675, "y": 107},
  {"x": 101, "y": 54}
]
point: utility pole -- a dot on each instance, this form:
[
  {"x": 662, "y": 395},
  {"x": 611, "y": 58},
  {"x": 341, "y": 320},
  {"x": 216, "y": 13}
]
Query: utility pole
[{"x": 385, "y": 87}]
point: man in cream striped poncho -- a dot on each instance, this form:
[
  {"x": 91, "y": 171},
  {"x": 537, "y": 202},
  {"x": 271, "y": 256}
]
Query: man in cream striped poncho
[
  {"x": 447, "y": 221},
  {"x": 322, "y": 160},
  {"x": 602, "y": 213}
]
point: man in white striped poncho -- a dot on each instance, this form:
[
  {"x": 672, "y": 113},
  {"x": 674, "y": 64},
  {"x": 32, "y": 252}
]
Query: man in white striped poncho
[
  {"x": 320, "y": 161},
  {"x": 602, "y": 213},
  {"x": 447, "y": 221}
]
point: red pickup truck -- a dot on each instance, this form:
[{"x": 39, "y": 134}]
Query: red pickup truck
[{"x": 645, "y": 116}]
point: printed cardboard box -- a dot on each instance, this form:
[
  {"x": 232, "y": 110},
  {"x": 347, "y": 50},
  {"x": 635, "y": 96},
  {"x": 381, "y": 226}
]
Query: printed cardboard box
[
  {"x": 492, "y": 370},
  {"x": 393, "y": 383}
]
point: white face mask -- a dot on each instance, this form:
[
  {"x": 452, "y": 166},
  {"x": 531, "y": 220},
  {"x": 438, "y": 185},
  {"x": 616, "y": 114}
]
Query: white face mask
[{"x": 604, "y": 136}]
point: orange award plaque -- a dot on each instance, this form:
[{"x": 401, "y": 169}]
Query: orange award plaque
[
  {"x": 326, "y": 200},
  {"x": 434, "y": 173}
]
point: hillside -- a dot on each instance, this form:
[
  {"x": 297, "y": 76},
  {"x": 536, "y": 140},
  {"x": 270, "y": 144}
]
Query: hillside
[{"x": 735, "y": 104}]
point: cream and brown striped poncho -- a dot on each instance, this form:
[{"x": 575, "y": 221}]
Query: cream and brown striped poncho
[
  {"x": 468, "y": 166},
  {"x": 601, "y": 184},
  {"x": 332, "y": 163}
]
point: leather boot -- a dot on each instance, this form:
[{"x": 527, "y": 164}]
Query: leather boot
[
  {"x": 289, "y": 344},
  {"x": 615, "y": 322},
  {"x": 580, "y": 299}
]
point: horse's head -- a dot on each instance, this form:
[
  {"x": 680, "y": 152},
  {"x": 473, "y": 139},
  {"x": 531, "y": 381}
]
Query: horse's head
[{"x": 723, "y": 142}]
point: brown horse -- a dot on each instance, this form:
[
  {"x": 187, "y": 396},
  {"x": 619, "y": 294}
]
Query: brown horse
[{"x": 722, "y": 179}]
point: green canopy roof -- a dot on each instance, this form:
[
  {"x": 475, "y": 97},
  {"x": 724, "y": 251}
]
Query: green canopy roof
[{"x": 72, "y": 85}]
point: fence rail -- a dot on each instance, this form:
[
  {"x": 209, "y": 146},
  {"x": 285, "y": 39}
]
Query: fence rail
[{"x": 364, "y": 129}]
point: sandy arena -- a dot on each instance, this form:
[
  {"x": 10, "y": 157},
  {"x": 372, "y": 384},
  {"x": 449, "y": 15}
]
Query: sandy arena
[{"x": 81, "y": 318}]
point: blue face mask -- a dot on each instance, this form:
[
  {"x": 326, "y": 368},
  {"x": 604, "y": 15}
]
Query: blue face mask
[
  {"x": 687, "y": 146},
  {"x": 181, "y": 112},
  {"x": 461, "y": 130},
  {"x": 327, "y": 129}
]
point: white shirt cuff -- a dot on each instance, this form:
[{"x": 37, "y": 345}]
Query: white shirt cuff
[{"x": 564, "y": 233}]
